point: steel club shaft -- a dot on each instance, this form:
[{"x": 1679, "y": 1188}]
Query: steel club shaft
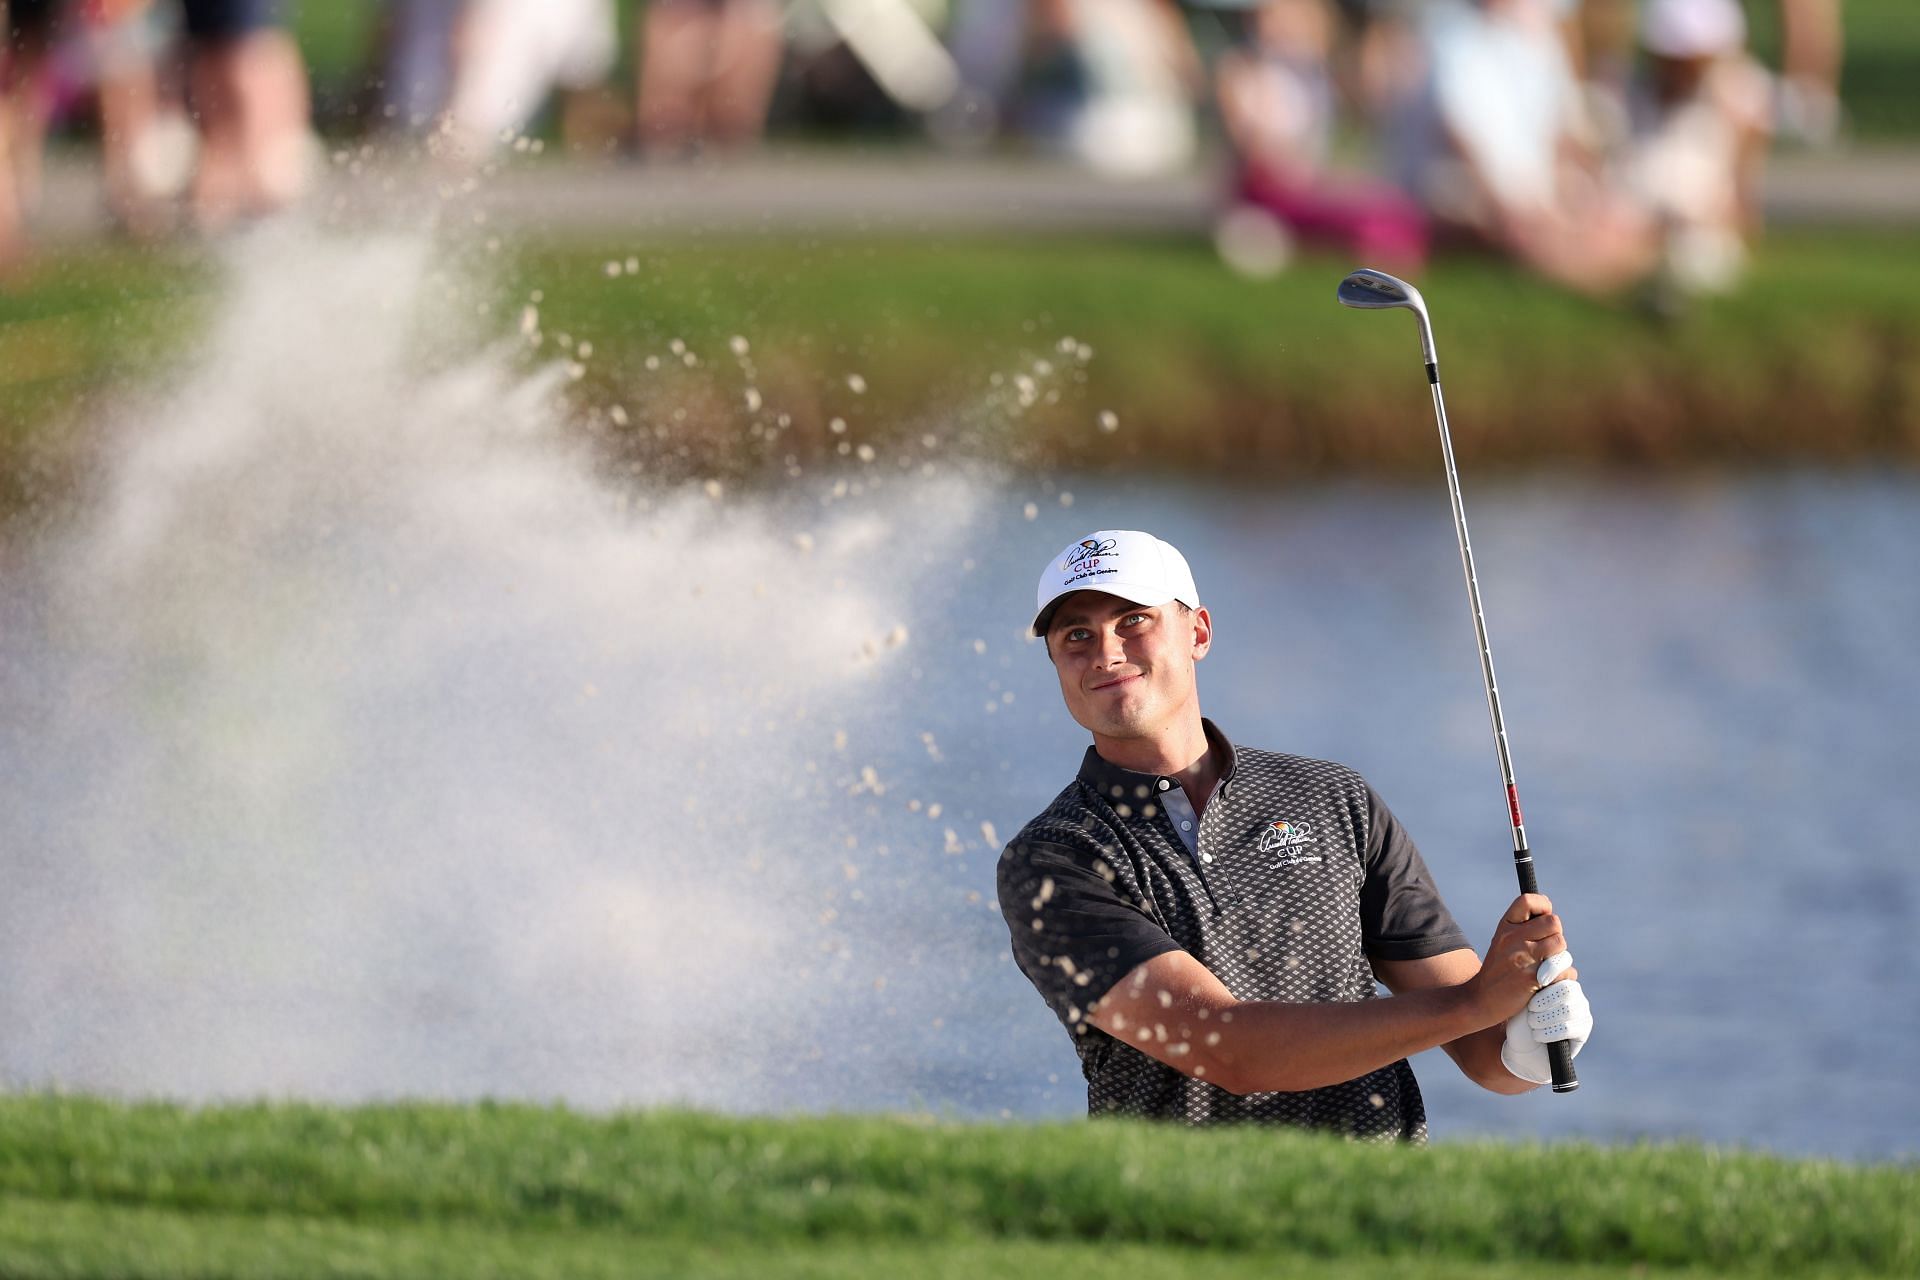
[{"x": 1370, "y": 290}]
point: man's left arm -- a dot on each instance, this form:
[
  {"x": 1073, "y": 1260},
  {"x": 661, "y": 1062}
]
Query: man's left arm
[
  {"x": 1477, "y": 1055},
  {"x": 1414, "y": 944}
]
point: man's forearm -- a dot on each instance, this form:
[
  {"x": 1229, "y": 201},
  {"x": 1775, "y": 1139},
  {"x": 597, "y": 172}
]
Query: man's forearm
[
  {"x": 1478, "y": 1057},
  {"x": 1262, "y": 1046},
  {"x": 1477, "y": 1054}
]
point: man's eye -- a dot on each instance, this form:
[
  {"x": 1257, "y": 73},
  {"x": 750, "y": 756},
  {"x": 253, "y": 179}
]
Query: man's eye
[
  {"x": 1135, "y": 617},
  {"x": 1077, "y": 633}
]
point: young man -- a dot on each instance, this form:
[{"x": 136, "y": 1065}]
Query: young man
[{"x": 1209, "y": 921}]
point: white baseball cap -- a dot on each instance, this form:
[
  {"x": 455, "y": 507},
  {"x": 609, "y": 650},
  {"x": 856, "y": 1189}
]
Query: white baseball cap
[
  {"x": 1121, "y": 562},
  {"x": 1692, "y": 28}
]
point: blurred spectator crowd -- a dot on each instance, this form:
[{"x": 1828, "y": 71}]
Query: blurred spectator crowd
[{"x": 1601, "y": 143}]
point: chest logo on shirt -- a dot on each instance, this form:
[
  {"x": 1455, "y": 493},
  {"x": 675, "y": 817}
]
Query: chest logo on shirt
[{"x": 1286, "y": 839}]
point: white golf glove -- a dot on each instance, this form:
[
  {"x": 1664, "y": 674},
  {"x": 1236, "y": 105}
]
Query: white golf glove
[{"x": 1556, "y": 1012}]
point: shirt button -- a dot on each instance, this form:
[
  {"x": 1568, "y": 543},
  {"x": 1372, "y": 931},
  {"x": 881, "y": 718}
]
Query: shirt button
[
  {"x": 1164, "y": 784},
  {"x": 1206, "y": 857},
  {"x": 1186, "y": 826}
]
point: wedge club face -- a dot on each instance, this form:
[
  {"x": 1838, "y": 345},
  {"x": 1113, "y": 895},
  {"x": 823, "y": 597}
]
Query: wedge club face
[{"x": 1371, "y": 290}]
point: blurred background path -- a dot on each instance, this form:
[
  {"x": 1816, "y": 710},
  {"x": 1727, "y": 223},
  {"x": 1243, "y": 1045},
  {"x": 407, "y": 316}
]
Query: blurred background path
[{"x": 915, "y": 189}]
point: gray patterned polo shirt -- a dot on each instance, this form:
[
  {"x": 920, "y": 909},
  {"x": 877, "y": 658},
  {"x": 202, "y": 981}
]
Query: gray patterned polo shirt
[{"x": 1296, "y": 876}]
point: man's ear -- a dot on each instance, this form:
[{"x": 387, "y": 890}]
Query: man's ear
[{"x": 1202, "y": 633}]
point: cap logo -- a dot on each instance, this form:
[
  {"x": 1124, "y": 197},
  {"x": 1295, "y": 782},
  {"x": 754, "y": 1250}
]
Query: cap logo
[
  {"x": 1088, "y": 560},
  {"x": 1285, "y": 838},
  {"x": 1088, "y": 549}
]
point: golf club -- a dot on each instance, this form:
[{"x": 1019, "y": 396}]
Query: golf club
[{"x": 1371, "y": 290}]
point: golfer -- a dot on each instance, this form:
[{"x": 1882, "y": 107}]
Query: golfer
[{"x": 1209, "y": 920}]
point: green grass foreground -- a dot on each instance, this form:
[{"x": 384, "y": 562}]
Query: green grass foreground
[
  {"x": 95, "y": 1188},
  {"x": 1817, "y": 359}
]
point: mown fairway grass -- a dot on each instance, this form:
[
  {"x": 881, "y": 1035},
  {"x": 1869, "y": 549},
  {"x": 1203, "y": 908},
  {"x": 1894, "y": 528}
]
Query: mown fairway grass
[
  {"x": 1817, "y": 359},
  {"x": 91, "y": 1188}
]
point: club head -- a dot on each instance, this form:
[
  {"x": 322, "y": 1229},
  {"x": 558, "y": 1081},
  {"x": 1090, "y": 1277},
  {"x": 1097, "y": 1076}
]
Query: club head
[{"x": 1372, "y": 290}]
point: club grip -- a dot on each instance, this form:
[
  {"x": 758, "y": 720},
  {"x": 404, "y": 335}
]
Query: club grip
[
  {"x": 1523, "y": 867},
  {"x": 1559, "y": 1057}
]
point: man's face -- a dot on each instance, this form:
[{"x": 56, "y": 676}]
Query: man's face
[{"x": 1126, "y": 670}]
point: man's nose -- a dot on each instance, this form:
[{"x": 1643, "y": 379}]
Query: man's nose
[{"x": 1112, "y": 649}]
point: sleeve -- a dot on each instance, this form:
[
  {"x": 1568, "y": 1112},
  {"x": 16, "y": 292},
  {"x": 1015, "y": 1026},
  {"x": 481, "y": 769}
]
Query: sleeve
[
  {"x": 1074, "y": 933},
  {"x": 1401, "y": 914}
]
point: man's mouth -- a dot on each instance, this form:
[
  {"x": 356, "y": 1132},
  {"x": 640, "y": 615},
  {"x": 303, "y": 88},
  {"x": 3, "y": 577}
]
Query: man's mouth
[{"x": 1116, "y": 682}]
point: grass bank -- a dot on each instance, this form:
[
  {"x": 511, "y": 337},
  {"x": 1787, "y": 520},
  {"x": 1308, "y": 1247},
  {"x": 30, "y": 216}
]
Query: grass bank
[
  {"x": 1817, "y": 359},
  {"x": 1019, "y": 350},
  {"x": 92, "y": 1188}
]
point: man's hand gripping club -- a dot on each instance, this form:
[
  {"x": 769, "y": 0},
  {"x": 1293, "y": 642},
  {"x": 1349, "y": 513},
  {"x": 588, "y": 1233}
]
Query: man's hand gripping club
[{"x": 1529, "y": 976}]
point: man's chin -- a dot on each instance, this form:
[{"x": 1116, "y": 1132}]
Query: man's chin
[{"x": 1120, "y": 722}]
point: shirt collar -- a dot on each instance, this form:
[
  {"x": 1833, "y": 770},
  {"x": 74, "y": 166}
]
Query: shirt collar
[{"x": 1116, "y": 783}]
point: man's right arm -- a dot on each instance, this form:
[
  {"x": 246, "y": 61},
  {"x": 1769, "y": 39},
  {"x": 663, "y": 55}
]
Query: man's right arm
[
  {"x": 1174, "y": 1009},
  {"x": 1075, "y": 932}
]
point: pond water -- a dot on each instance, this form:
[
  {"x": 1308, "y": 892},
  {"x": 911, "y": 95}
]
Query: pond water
[{"x": 363, "y": 741}]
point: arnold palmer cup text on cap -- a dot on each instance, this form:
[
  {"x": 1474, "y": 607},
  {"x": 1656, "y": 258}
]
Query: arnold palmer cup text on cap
[{"x": 1121, "y": 562}]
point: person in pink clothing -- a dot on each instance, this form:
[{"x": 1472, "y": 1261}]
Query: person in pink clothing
[{"x": 1277, "y": 103}]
